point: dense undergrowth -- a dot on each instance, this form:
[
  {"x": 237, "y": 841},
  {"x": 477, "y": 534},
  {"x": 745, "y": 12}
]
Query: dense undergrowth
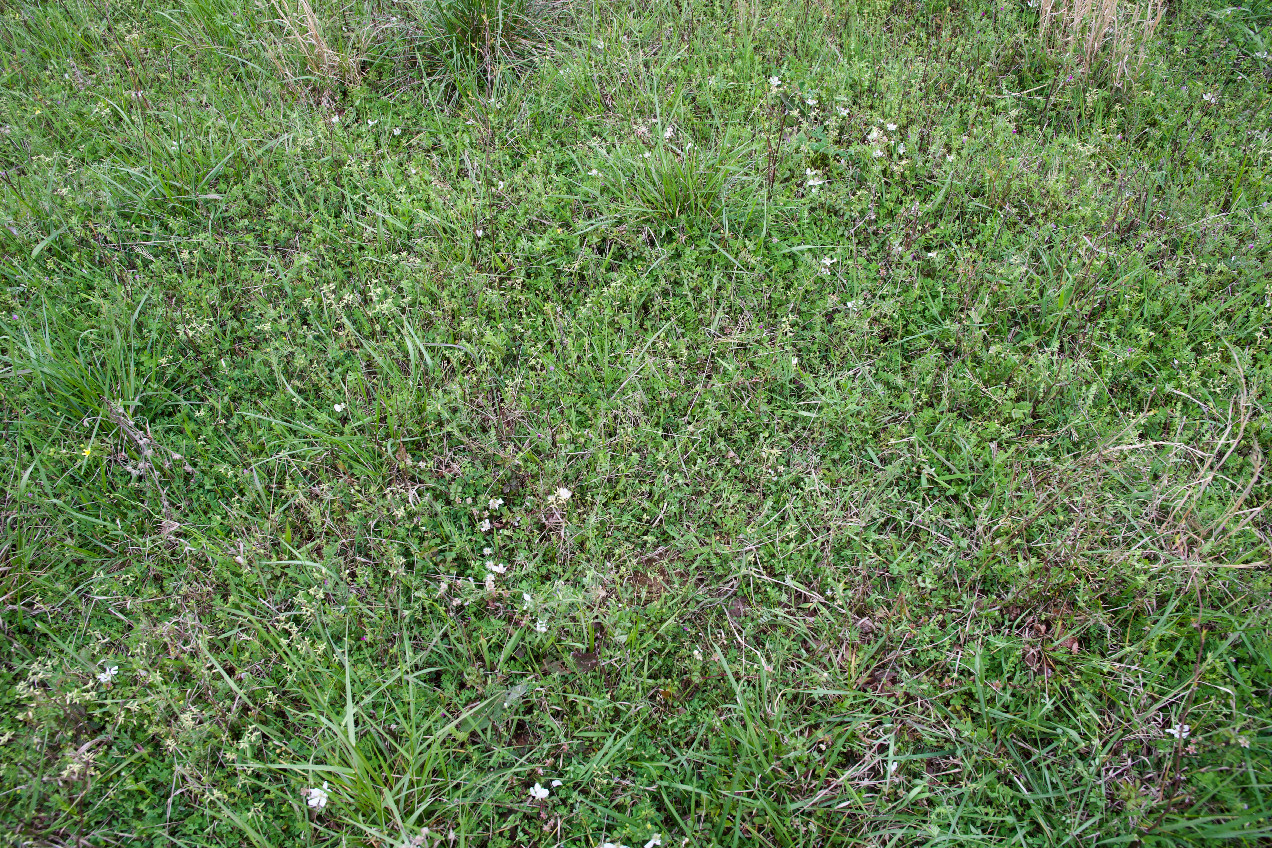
[{"x": 813, "y": 424}]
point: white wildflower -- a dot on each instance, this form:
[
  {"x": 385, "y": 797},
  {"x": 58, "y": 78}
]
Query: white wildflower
[
  {"x": 541, "y": 626},
  {"x": 485, "y": 525},
  {"x": 487, "y": 551},
  {"x": 563, "y": 494},
  {"x": 891, "y": 127},
  {"x": 495, "y": 503},
  {"x": 555, "y": 784},
  {"x": 811, "y": 101},
  {"x": 340, "y": 407},
  {"x": 538, "y": 793},
  {"x": 593, "y": 173},
  {"x": 878, "y": 154},
  {"x": 108, "y": 675},
  {"x": 397, "y": 130},
  {"x": 317, "y": 798},
  {"x": 669, "y": 132},
  {"x": 490, "y": 582},
  {"x": 656, "y": 839},
  {"x": 775, "y": 83},
  {"x": 1179, "y": 731},
  {"x": 499, "y": 568},
  {"x": 901, "y": 149}
]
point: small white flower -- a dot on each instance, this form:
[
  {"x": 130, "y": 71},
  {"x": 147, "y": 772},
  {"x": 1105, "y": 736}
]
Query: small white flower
[
  {"x": 372, "y": 123},
  {"x": 600, "y": 45},
  {"x": 612, "y": 845},
  {"x": 656, "y": 839},
  {"x": 555, "y": 784},
  {"x": 593, "y": 173},
  {"x": 525, "y": 596},
  {"x": 563, "y": 494},
  {"x": 397, "y": 130},
  {"x": 1210, "y": 97},
  {"x": 480, "y": 233},
  {"x": 490, "y": 582},
  {"x": 697, "y": 654},
  {"x": 829, "y": 260},
  {"x": 1179, "y": 731},
  {"x": 811, "y": 101},
  {"x": 775, "y": 83},
  {"x": 878, "y": 154},
  {"x": 949, "y": 157},
  {"x": 487, "y": 551},
  {"x": 496, "y": 568},
  {"x": 541, "y": 626},
  {"x": 794, "y": 360},
  {"x": 648, "y": 154},
  {"x": 340, "y": 407},
  {"x": 538, "y": 793},
  {"x": 874, "y": 133},
  {"x": 485, "y": 525},
  {"x": 901, "y": 149},
  {"x": 842, "y": 110},
  {"x": 317, "y": 798},
  {"x": 335, "y": 119},
  {"x": 669, "y": 132},
  {"x": 495, "y": 503},
  {"x": 891, "y": 127},
  {"x": 108, "y": 675}
]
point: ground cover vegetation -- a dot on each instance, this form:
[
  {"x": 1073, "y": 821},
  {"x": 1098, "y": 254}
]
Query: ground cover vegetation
[{"x": 701, "y": 423}]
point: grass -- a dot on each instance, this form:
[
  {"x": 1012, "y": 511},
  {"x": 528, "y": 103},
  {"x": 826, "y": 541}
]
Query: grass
[{"x": 804, "y": 425}]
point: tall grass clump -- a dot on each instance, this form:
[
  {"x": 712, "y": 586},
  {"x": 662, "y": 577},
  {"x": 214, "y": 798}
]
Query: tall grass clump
[
  {"x": 1101, "y": 34},
  {"x": 303, "y": 31},
  {"x": 670, "y": 180},
  {"x": 466, "y": 39}
]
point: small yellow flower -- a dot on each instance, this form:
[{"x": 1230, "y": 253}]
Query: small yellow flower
[{"x": 87, "y": 450}]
